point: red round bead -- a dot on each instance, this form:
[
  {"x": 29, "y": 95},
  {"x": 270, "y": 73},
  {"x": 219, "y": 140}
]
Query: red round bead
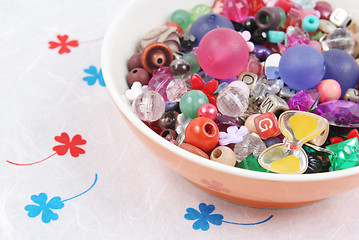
[
  {"x": 208, "y": 110},
  {"x": 203, "y": 133}
]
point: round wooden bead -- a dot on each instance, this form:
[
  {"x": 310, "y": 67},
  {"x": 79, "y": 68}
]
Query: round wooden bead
[
  {"x": 224, "y": 155},
  {"x": 138, "y": 75},
  {"x": 249, "y": 123},
  {"x": 156, "y": 55},
  {"x": 194, "y": 150},
  {"x": 203, "y": 133},
  {"x": 134, "y": 61}
]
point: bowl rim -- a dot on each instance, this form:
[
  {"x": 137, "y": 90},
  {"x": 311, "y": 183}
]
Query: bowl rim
[{"x": 111, "y": 31}]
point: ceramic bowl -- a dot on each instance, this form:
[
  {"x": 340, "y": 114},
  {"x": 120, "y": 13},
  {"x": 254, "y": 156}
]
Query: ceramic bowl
[{"x": 267, "y": 190}]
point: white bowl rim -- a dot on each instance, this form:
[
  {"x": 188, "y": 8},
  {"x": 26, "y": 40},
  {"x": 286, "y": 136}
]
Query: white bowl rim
[{"x": 137, "y": 123}]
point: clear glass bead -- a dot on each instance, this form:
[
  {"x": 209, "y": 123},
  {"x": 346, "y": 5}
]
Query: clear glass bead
[
  {"x": 179, "y": 68},
  {"x": 149, "y": 106},
  {"x": 232, "y": 101},
  {"x": 251, "y": 143},
  {"x": 340, "y": 38},
  {"x": 176, "y": 89}
]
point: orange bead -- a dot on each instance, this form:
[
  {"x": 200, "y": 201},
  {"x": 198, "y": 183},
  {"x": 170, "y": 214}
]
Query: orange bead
[
  {"x": 179, "y": 29},
  {"x": 203, "y": 133}
]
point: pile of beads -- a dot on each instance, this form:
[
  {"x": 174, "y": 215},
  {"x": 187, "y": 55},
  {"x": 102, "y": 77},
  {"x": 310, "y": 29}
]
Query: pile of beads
[{"x": 264, "y": 85}]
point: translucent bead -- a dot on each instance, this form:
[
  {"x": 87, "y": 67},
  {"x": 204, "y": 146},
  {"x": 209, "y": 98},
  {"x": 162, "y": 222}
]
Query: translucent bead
[
  {"x": 340, "y": 38},
  {"x": 232, "y": 101},
  {"x": 192, "y": 61},
  {"x": 305, "y": 3},
  {"x": 179, "y": 68},
  {"x": 176, "y": 89},
  {"x": 199, "y": 10},
  {"x": 160, "y": 80},
  {"x": 181, "y": 17},
  {"x": 149, "y": 106},
  {"x": 236, "y": 10},
  {"x": 251, "y": 144}
]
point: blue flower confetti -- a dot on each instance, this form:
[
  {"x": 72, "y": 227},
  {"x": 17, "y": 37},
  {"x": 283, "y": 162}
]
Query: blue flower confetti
[
  {"x": 204, "y": 216},
  {"x": 95, "y": 75}
]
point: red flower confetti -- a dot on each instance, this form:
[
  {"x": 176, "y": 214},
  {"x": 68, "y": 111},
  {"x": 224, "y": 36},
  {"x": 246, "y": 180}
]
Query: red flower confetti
[
  {"x": 69, "y": 145},
  {"x": 63, "y": 44}
]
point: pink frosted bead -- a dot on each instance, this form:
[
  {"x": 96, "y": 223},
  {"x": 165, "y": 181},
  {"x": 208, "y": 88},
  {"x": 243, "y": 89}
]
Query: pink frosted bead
[
  {"x": 242, "y": 85},
  {"x": 329, "y": 89},
  {"x": 176, "y": 89},
  {"x": 236, "y": 10},
  {"x": 149, "y": 106},
  {"x": 254, "y": 66},
  {"x": 208, "y": 110},
  {"x": 160, "y": 80},
  {"x": 316, "y": 45}
]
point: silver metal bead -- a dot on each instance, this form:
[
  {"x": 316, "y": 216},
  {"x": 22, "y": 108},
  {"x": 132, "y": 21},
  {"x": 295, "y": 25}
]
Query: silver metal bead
[
  {"x": 249, "y": 78},
  {"x": 273, "y": 103},
  {"x": 352, "y": 95},
  {"x": 340, "y": 18},
  {"x": 287, "y": 92}
]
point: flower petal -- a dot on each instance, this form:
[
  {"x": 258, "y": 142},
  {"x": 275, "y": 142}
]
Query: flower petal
[
  {"x": 78, "y": 140},
  {"x": 64, "y": 49},
  {"x": 73, "y": 43},
  {"x": 215, "y": 219},
  {"x": 192, "y": 214},
  {"x": 91, "y": 70},
  {"x": 61, "y": 149},
  {"x": 206, "y": 209},
  {"x": 101, "y": 81},
  {"x": 48, "y": 215},
  {"x": 53, "y": 44},
  {"x": 62, "y": 38},
  {"x": 90, "y": 80},
  {"x": 232, "y": 129},
  {"x": 76, "y": 151},
  {"x": 33, "y": 210},
  {"x": 55, "y": 203},
  {"x": 40, "y": 199},
  {"x": 201, "y": 224},
  {"x": 63, "y": 138}
]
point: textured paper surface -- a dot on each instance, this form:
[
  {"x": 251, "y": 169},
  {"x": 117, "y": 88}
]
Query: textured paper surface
[{"x": 45, "y": 102}]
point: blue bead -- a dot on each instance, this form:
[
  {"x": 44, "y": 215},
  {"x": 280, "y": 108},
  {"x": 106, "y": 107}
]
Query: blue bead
[
  {"x": 275, "y": 36},
  {"x": 271, "y": 141},
  {"x": 310, "y": 23},
  {"x": 171, "y": 106}
]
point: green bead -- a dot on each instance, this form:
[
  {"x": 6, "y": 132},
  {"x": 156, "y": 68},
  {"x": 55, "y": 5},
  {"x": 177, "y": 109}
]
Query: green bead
[
  {"x": 251, "y": 163},
  {"x": 283, "y": 16},
  {"x": 316, "y": 36},
  {"x": 199, "y": 10},
  {"x": 191, "y": 101},
  {"x": 346, "y": 154},
  {"x": 181, "y": 17},
  {"x": 193, "y": 62}
]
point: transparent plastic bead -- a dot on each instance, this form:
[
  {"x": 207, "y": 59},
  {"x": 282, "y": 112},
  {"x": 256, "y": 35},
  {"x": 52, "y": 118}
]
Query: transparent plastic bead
[
  {"x": 340, "y": 38},
  {"x": 149, "y": 106},
  {"x": 160, "y": 80},
  {"x": 179, "y": 68},
  {"x": 305, "y": 3},
  {"x": 232, "y": 101},
  {"x": 251, "y": 143},
  {"x": 176, "y": 89}
]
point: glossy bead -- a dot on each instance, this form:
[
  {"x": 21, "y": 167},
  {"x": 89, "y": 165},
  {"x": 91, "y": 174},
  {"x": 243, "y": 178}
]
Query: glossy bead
[
  {"x": 203, "y": 133},
  {"x": 181, "y": 17},
  {"x": 138, "y": 75},
  {"x": 310, "y": 23},
  {"x": 242, "y": 85},
  {"x": 259, "y": 37},
  {"x": 250, "y": 144},
  {"x": 179, "y": 68},
  {"x": 273, "y": 103},
  {"x": 176, "y": 89},
  {"x": 199, "y": 10},
  {"x": 283, "y": 16},
  {"x": 340, "y": 38},
  {"x": 268, "y": 18},
  {"x": 324, "y": 8},
  {"x": 236, "y": 10},
  {"x": 220, "y": 60},
  {"x": 239, "y": 27},
  {"x": 255, "y": 6},
  {"x": 160, "y": 80},
  {"x": 191, "y": 101},
  {"x": 271, "y": 66},
  {"x": 249, "y": 123},
  {"x": 188, "y": 41},
  {"x": 276, "y": 36},
  {"x": 250, "y": 25},
  {"x": 261, "y": 52},
  {"x": 249, "y": 78},
  {"x": 156, "y": 55},
  {"x": 224, "y": 155},
  {"x": 232, "y": 101},
  {"x": 149, "y": 106},
  {"x": 352, "y": 95},
  {"x": 193, "y": 62},
  {"x": 193, "y": 149},
  {"x": 302, "y": 67},
  {"x": 329, "y": 89},
  {"x": 267, "y": 125},
  {"x": 168, "y": 120},
  {"x": 134, "y": 61},
  {"x": 208, "y": 110},
  {"x": 254, "y": 66},
  {"x": 284, "y": 4},
  {"x": 170, "y": 106},
  {"x": 326, "y": 26},
  {"x": 170, "y": 135},
  {"x": 340, "y": 18}
]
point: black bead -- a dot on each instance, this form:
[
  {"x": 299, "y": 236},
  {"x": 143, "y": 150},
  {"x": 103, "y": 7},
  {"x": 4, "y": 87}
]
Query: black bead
[
  {"x": 188, "y": 41},
  {"x": 259, "y": 37},
  {"x": 239, "y": 27},
  {"x": 314, "y": 165},
  {"x": 250, "y": 25}
]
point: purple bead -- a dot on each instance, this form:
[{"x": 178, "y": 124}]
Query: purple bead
[
  {"x": 340, "y": 113},
  {"x": 261, "y": 52},
  {"x": 160, "y": 80},
  {"x": 304, "y": 100},
  {"x": 271, "y": 141},
  {"x": 223, "y": 122}
]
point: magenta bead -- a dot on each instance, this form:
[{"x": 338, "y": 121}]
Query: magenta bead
[
  {"x": 208, "y": 110},
  {"x": 160, "y": 80},
  {"x": 329, "y": 89},
  {"x": 236, "y": 10},
  {"x": 324, "y": 8},
  {"x": 223, "y": 53}
]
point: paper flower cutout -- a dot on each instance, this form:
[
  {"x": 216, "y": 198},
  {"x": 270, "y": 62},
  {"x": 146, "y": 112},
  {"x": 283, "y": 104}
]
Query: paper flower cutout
[
  {"x": 135, "y": 91},
  {"x": 46, "y": 208},
  {"x": 183, "y": 122},
  {"x": 233, "y": 135},
  {"x": 63, "y": 44},
  {"x": 95, "y": 75},
  {"x": 247, "y": 36}
]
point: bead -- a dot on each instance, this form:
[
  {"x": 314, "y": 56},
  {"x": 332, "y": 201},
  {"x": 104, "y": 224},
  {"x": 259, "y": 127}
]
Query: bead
[
  {"x": 250, "y": 144},
  {"x": 287, "y": 92},
  {"x": 340, "y": 38},
  {"x": 188, "y": 41},
  {"x": 261, "y": 52},
  {"x": 135, "y": 90},
  {"x": 239, "y": 27},
  {"x": 194, "y": 150},
  {"x": 170, "y": 135},
  {"x": 208, "y": 110},
  {"x": 208, "y": 22},
  {"x": 179, "y": 68},
  {"x": 220, "y": 60},
  {"x": 305, "y": 3},
  {"x": 317, "y": 45},
  {"x": 322, "y": 138},
  {"x": 250, "y": 25},
  {"x": 235, "y": 10},
  {"x": 268, "y": 18},
  {"x": 255, "y": 6},
  {"x": 249, "y": 123},
  {"x": 267, "y": 125},
  {"x": 134, "y": 61},
  {"x": 193, "y": 62},
  {"x": 199, "y": 10},
  {"x": 164, "y": 34},
  {"x": 181, "y": 138},
  {"x": 181, "y": 17},
  {"x": 203, "y": 133},
  {"x": 232, "y": 101},
  {"x": 329, "y": 89},
  {"x": 284, "y": 4},
  {"x": 341, "y": 67},
  {"x": 310, "y": 23},
  {"x": 340, "y": 17},
  {"x": 156, "y": 55},
  {"x": 160, "y": 80},
  {"x": 224, "y": 155},
  {"x": 191, "y": 101},
  {"x": 275, "y": 85},
  {"x": 275, "y": 36},
  {"x": 259, "y": 37},
  {"x": 138, "y": 75},
  {"x": 149, "y": 106},
  {"x": 259, "y": 92},
  {"x": 324, "y": 8},
  {"x": 304, "y": 100},
  {"x": 178, "y": 27},
  {"x": 273, "y": 103},
  {"x": 316, "y": 36},
  {"x": 326, "y": 26},
  {"x": 346, "y": 154},
  {"x": 271, "y": 141},
  {"x": 176, "y": 89},
  {"x": 352, "y": 95},
  {"x": 170, "y": 106},
  {"x": 302, "y": 67},
  {"x": 249, "y": 78},
  {"x": 243, "y": 86},
  {"x": 271, "y": 66},
  {"x": 251, "y": 163},
  {"x": 283, "y": 16},
  {"x": 254, "y": 66},
  {"x": 168, "y": 120}
]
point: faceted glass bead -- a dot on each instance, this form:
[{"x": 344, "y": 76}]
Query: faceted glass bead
[
  {"x": 304, "y": 100},
  {"x": 188, "y": 41},
  {"x": 296, "y": 36},
  {"x": 232, "y": 101},
  {"x": 251, "y": 144},
  {"x": 179, "y": 68},
  {"x": 340, "y": 38},
  {"x": 254, "y": 6},
  {"x": 149, "y": 106},
  {"x": 160, "y": 80},
  {"x": 305, "y": 3},
  {"x": 236, "y": 10},
  {"x": 176, "y": 89}
]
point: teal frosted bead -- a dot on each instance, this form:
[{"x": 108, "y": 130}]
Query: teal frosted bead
[
  {"x": 181, "y": 17},
  {"x": 193, "y": 62},
  {"x": 283, "y": 16},
  {"x": 275, "y": 36},
  {"x": 310, "y": 23},
  {"x": 191, "y": 101},
  {"x": 199, "y": 10}
]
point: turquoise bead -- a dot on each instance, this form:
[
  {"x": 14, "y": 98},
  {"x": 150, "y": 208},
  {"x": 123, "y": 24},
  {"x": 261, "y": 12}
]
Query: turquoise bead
[
  {"x": 193, "y": 62},
  {"x": 181, "y": 17},
  {"x": 310, "y": 23},
  {"x": 191, "y": 101},
  {"x": 275, "y": 36}
]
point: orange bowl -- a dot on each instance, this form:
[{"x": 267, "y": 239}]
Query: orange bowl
[{"x": 267, "y": 190}]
